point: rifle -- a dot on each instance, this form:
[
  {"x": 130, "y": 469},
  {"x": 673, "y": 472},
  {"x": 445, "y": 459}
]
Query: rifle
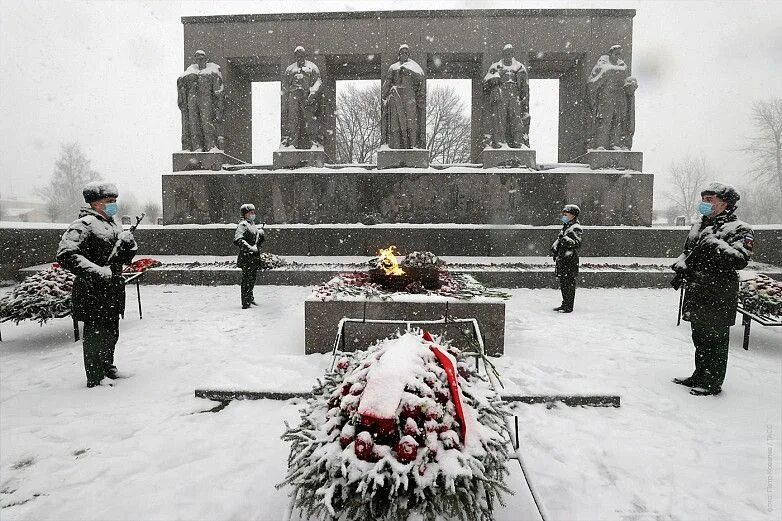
[{"x": 113, "y": 261}]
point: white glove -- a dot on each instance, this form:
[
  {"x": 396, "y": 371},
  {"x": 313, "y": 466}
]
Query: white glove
[{"x": 104, "y": 273}]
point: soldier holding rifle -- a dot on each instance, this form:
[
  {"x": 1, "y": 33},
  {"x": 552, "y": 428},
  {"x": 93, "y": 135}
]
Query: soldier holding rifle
[
  {"x": 94, "y": 248},
  {"x": 716, "y": 248}
]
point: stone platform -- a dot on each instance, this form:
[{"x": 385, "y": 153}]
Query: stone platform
[
  {"x": 202, "y": 161},
  {"x": 457, "y": 194},
  {"x": 614, "y": 159},
  {"x": 402, "y": 158},
  {"x": 508, "y": 158},
  {"x": 321, "y": 319},
  {"x": 291, "y": 157}
]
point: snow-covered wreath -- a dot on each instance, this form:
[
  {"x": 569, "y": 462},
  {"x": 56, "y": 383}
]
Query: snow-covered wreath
[{"x": 404, "y": 430}]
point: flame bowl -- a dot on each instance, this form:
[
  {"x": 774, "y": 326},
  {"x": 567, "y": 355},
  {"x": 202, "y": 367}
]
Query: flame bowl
[{"x": 428, "y": 277}]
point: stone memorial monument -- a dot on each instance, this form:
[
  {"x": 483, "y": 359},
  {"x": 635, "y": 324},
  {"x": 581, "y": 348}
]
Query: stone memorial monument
[
  {"x": 201, "y": 100},
  {"x": 403, "y": 120},
  {"x": 506, "y": 112},
  {"x": 301, "y": 90},
  {"x": 612, "y": 110},
  {"x": 595, "y": 168}
]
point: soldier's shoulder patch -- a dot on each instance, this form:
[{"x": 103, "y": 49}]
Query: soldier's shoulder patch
[{"x": 748, "y": 241}]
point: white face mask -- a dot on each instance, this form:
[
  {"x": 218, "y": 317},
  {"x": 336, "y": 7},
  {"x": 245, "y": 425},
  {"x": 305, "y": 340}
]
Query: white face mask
[{"x": 250, "y": 217}]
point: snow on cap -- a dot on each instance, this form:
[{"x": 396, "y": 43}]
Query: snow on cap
[
  {"x": 403, "y": 46},
  {"x": 615, "y": 48},
  {"x": 246, "y": 207},
  {"x": 97, "y": 190},
  {"x": 299, "y": 49},
  {"x": 572, "y": 208},
  {"x": 508, "y": 47},
  {"x": 725, "y": 192},
  {"x": 199, "y": 52}
]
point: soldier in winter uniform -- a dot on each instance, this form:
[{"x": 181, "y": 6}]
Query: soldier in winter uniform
[
  {"x": 248, "y": 238},
  {"x": 565, "y": 253},
  {"x": 94, "y": 248},
  {"x": 716, "y": 248}
]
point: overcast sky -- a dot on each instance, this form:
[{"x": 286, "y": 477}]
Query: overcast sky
[{"x": 103, "y": 73}]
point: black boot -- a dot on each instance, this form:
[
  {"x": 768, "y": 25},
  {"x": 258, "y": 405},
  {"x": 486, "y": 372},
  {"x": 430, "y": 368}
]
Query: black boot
[
  {"x": 705, "y": 391},
  {"x": 687, "y": 382},
  {"x": 559, "y": 308}
]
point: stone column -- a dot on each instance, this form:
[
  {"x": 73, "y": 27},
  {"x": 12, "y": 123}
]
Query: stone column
[
  {"x": 574, "y": 125},
  {"x": 328, "y": 119},
  {"x": 477, "y": 122},
  {"x": 238, "y": 114}
]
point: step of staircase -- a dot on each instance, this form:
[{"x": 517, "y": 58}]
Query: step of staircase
[{"x": 503, "y": 272}]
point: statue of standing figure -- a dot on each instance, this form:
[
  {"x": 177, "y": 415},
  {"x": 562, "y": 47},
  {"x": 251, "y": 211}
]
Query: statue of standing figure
[
  {"x": 201, "y": 97},
  {"x": 612, "y": 102},
  {"x": 403, "y": 121},
  {"x": 301, "y": 87},
  {"x": 506, "y": 87}
]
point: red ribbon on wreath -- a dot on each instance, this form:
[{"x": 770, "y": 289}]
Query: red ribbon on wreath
[{"x": 453, "y": 382}]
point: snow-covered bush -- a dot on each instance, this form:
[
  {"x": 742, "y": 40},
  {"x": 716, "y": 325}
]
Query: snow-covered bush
[
  {"x": 405, "y": 428},
  {"x": 41, "y": 296}
]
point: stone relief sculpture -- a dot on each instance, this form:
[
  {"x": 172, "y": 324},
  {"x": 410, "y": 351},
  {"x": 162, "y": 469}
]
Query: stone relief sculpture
[
  {"x": 301, "y": 88},
  {"x": 506, "y": 112},
  {"x": 612, "y": 102},
  {"x": 403, "y": 94},
  {"x": 201, "y": 97}
]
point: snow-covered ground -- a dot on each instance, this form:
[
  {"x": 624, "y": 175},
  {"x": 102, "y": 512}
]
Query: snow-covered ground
[{"x": 142, "y": 450}]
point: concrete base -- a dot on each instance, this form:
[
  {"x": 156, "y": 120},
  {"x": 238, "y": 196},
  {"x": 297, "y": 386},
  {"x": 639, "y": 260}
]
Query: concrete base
[
  {"x": 508, "y": 158},
  {"x": 295, "y": 158},
  {"x": 401, "y": 158},
  {"x": 614, "y": 159},
  {"x": 321, "y": 319},
  {"x": 459, "y": 194},
  {"x": 195, "y": 161}
]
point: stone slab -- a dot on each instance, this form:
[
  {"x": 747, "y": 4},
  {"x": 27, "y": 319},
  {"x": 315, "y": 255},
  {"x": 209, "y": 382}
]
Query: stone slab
[
  {"x": 463, "y": 195},
  {"x": 614, "y": 159},
  {"x": 508, "y": 158},
  {"x": 295, "y": 158},
  {"x": 322, "y": 318},
  {"x": 402, "y": 158},
  {"x": 202, "y": 161}
]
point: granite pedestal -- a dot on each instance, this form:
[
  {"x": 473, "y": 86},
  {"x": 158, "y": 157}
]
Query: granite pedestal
[
  {"x": 459, "y": 194},
  {"x": 290, "y": 157},
  {"x": 195, "y": 161},
  {"x": 614, "y": 159},
  {"x": 507, "y": 157},
  {"x": 409, "y": 158},
  {"x": 321, "y": 319}
]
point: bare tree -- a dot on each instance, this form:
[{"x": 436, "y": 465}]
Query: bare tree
[
  {"x": 447, "y": 127},
  {"x": 63, "y": 194},
  {"x": 764, "y": 147},
  {"x": 358, "y": 125},
  {"x": 689, "y": 177},
  {"x": 152, "y": 211},
  {"x": 759, "y": 205}
]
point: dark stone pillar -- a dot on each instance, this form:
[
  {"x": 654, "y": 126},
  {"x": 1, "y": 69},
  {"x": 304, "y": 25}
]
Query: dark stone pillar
[
  {"x": 573, "y": 112},
  {"x": 238, "y": 114},
  {"x": 477, "y": 123}
]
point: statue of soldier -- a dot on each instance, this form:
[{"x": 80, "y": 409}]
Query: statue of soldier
[
  {"x": 404, "y": 104},
  {"x": 201, "y": 100},
  {"x": 301, "y": 86},
  {"x": 612, "y": 102},
  {"x": 506, "y": 86}
]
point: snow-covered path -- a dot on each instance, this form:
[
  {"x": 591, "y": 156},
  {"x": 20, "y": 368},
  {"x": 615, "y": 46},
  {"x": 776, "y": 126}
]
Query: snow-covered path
[{"x": 140, "y": 450}]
